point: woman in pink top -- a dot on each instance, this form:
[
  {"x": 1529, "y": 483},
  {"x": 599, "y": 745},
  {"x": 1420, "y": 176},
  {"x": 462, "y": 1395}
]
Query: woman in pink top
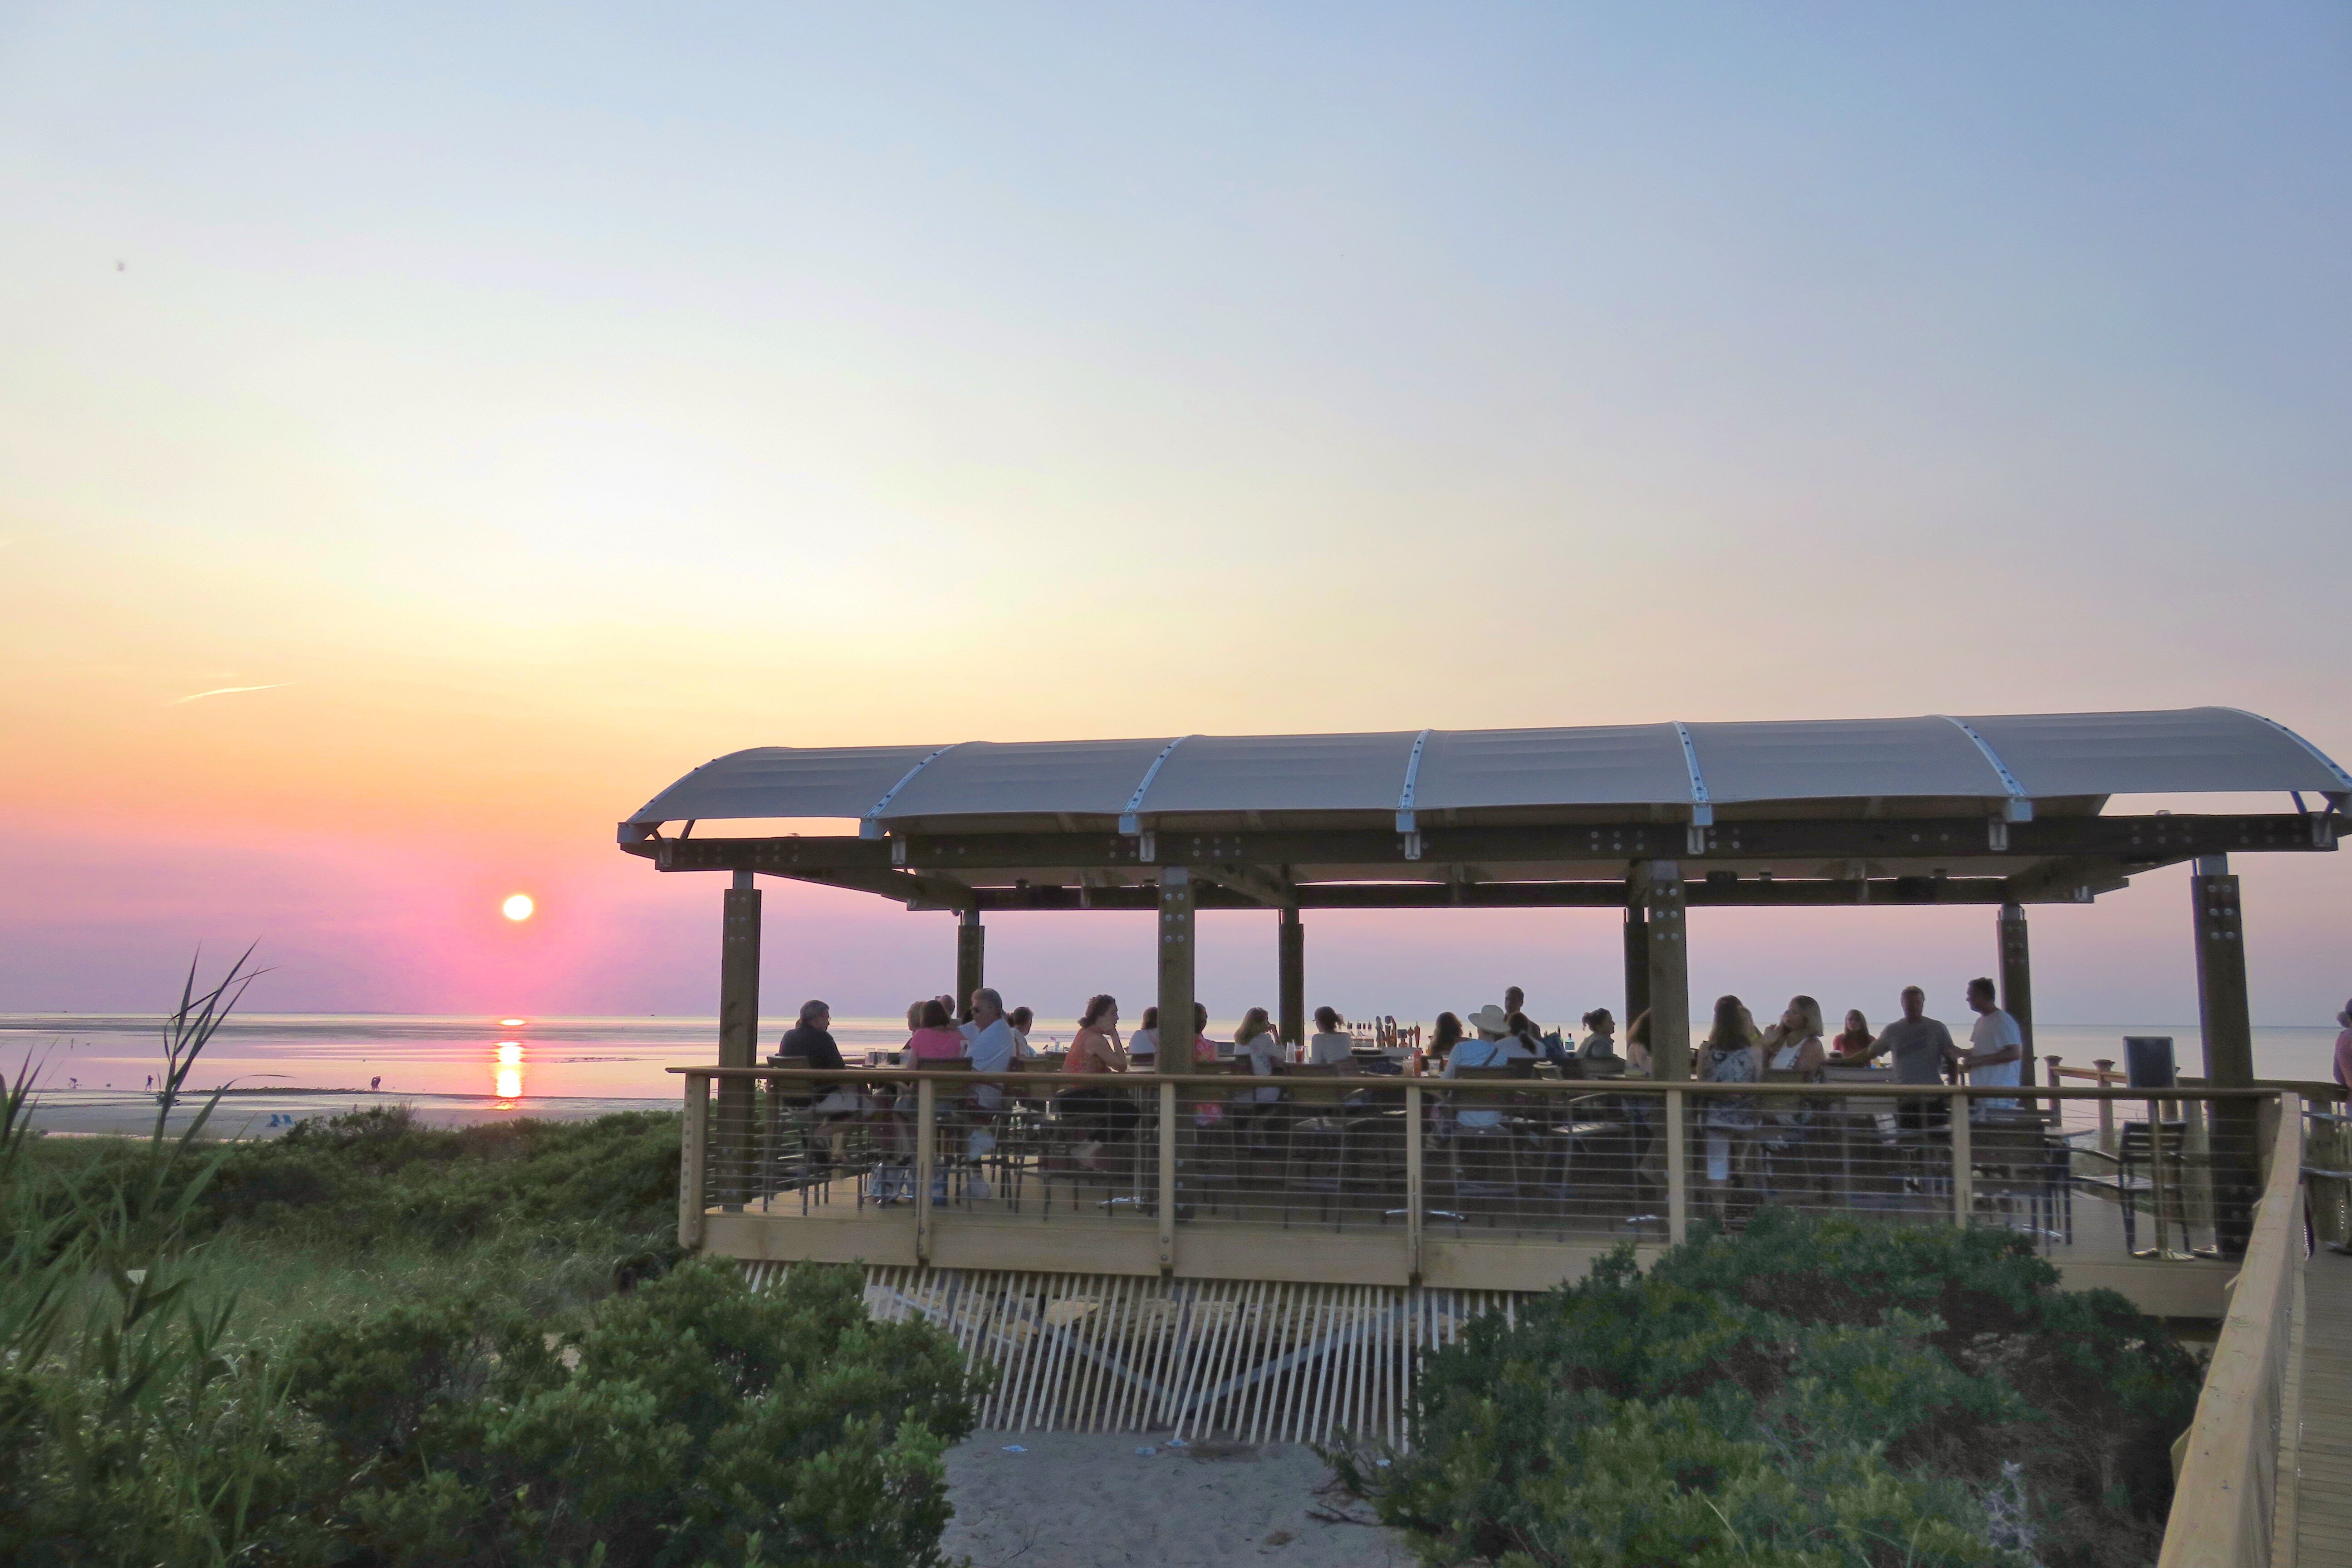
[
  {"x": 1097, "y": 1116},
  {"x": 939, "y": 1040}
]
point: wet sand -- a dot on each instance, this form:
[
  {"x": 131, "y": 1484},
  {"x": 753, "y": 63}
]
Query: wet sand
[
  {"x": 272, "y": 1113},
  {"x": 1081, "y": 1499}
]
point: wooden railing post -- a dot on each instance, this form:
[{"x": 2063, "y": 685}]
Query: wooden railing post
[
  {"x": 2106, "y": 1109},
  {"x": 926, "y": 1160},
  {"x": 1964, "y": 1184},
  {"x": 1167, "y": 1087},
  {"x": 692, "y": 1151},
  {"x": 1677, "y": 1171},
  {"x": 1412, "y": 1140}
]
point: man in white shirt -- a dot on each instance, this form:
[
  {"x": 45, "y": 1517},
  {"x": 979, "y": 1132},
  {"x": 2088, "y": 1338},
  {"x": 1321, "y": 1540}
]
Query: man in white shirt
[
  {"x": 990, "y": 1044},
  {"x": 1996, "y": 1053}
]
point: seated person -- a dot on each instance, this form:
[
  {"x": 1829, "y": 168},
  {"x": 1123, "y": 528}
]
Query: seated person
[
  {"x": 1256, "y": 1043},
  {"x": 1490, "y": 1047},
  {"x": 936, "y": 1039},
  {"x": 1330, "y": 1043},
  {"x": 1491, "y": 1023},
  {"x": 1143, "y": 1045},
  {"x": 1853, "y": 1046}
]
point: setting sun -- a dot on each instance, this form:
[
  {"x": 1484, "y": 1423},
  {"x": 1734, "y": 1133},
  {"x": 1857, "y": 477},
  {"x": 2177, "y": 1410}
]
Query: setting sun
[{"x": 518, "y": 907}]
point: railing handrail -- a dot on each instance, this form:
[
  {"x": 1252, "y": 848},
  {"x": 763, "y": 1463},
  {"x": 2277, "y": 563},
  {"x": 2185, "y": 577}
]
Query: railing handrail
[
  {"x": 2223, "y": 1497},
  {"x": 1581, "y": 1085}
]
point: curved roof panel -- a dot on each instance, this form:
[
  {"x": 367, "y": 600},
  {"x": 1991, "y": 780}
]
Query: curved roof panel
[
  {"x": 1609, "y": 764},
  {"x": 786, "y": 780},
  {"x": 2186, "y": 751},
  {"x": 1825, "y": 759},
  {"x": 1282, "y": 773},
  {"x": 988, "y": 778}
]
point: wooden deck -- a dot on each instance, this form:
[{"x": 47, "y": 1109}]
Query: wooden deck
[
  {"x": 2315, "y": 1505},
  {"x": 1079, "y": 1233}
]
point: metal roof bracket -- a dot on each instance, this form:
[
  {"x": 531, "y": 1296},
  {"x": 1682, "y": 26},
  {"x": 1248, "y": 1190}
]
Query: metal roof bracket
[
  {"x": 870, "y": 824},
  {"x": 1130, "y": 821},
  {"x": 2019, "y": 807},
  {"x": 1702, "y": 808},
  {"x": 1406, "y": 822}
]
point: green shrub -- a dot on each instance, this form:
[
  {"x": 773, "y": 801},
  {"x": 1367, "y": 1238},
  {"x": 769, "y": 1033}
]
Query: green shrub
[
  {"x": 683, "y": 1422},
  {"x": 379, "y": 1176},
  {"x": 1818, "y": 1390}
]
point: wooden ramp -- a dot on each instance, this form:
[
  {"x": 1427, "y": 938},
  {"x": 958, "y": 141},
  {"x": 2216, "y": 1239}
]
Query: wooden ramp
[{"x": 2315, "y": 1529}]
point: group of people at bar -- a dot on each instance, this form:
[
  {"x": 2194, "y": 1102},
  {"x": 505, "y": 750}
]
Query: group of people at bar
[{"x": 991, "y": 1038}]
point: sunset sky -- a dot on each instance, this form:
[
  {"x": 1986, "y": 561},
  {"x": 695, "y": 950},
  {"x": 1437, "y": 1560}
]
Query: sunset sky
[{"x": 423, "y": 436}]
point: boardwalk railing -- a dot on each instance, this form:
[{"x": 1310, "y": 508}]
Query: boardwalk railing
[
  {"x": 2225, "y": 1498},
  {"x": 1485, "y": 1183}
]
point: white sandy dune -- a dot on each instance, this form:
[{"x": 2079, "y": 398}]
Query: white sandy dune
[{"x": 1088, "y": 1501}]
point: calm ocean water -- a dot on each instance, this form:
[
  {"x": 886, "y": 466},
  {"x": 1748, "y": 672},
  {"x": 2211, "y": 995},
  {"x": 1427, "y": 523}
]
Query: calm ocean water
[{"x": 526, "y": 1060}]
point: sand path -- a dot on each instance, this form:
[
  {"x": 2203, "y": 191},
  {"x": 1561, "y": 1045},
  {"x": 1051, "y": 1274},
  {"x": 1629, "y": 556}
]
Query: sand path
[{"x": 1087, "y": 1500}]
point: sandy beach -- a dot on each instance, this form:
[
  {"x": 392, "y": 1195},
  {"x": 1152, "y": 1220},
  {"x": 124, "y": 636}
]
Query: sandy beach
[{"x": 1064, "y": 1500}]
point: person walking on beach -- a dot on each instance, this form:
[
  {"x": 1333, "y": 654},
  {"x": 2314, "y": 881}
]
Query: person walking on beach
[
  {"x": 1921, "y": 1047},
  {"x": 1996, "y": 1050}
]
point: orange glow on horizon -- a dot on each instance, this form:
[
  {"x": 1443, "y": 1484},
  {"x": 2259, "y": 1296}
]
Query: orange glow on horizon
[
  {"x": 518, "y": 907},
  {"x": 511, "y": 1023}
]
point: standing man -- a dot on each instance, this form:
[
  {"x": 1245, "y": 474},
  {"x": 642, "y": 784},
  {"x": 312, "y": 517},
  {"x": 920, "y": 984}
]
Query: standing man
[
  {"x": 1513, "y": 1000},
  {"x": 1922, "y": 1046},
  {"x": 1996, "y": 1050}
]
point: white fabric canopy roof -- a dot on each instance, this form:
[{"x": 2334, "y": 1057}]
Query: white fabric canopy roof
[{"x": 2010, "y": 759}]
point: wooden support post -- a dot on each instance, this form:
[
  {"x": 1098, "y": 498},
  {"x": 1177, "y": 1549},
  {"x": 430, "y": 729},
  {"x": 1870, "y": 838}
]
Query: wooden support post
[
  {"x": 692, "y": 1153},
  {"x": 1176, "y": 1037},
  {"x": 1290, "y": 959},
  {"x": 1413, "y": 1179},
  {"x": 2223, "y": 1016},
  {"x": 927, "y": 1156},
  {"x": 1637, "y": 960},
  {"x": 2017, "y": 975},
  {"x": 972, "y": 949},
  {"x": 1677, "y": 1171},
  {"x": 1662, "y": 898},
  {"x": 1964, "y": 1170},
  {"x": 1176, "y": 978},
  {"x": 738, "y": 1036}
]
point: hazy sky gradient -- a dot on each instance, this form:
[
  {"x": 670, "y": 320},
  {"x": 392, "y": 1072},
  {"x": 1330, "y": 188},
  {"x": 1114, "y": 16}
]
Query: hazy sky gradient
[{"x": 531, "y": 407}]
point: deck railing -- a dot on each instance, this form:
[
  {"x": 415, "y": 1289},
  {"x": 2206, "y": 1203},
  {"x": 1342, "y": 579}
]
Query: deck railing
[
  {"x": 2226, "y": 1496},
  {"x": 1470, "y": 1182}
]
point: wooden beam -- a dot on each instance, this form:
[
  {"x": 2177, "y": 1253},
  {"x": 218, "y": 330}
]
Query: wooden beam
[
  {"x": 1749, "y": 892},
  {"x": 2129, "y": 843},
  {"x": 1252, "y": 884}
]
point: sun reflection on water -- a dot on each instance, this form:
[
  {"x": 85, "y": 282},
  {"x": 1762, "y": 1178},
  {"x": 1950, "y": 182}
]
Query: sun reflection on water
[{"x": 510, "y": 1069}]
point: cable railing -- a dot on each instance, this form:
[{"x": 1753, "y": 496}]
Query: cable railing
[{"x": 1316, "y": 1168}]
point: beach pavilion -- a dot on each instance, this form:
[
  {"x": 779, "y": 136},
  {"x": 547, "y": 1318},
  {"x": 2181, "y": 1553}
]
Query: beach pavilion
[
  {"x": 1162, "y": 1304},
  {"x": 2004, "y": 811}
]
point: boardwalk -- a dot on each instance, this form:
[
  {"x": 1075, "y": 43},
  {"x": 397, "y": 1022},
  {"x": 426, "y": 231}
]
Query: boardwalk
[{"x": 2321, "y": 1495}]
